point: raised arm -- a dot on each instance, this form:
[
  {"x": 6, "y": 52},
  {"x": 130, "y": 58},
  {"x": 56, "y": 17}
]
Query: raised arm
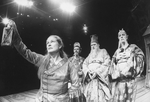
[{"x": 22, "y": 48}]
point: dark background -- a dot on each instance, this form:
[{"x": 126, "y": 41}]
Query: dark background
[{"x": 102, "y": 17}]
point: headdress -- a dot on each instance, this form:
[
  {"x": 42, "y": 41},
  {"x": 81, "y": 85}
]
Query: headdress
[
  {"x": 94, "y": 38},
  {"x": 76, "y": 44}
]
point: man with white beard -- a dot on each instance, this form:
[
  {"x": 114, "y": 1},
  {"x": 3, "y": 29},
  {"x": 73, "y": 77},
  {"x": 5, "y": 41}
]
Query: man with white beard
[{"x": 95, "y": 69}]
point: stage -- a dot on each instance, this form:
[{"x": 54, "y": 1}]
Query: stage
[{"x": 143, "y": 94}]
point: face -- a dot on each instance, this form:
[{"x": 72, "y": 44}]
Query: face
[
  {"x": 52, "y": 44},
  {"x": 76, "y": 50},
  {"x": 122, "y": 37},
  {"x": 94, "y": 46}
]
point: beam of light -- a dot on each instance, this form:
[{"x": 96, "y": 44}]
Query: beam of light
[
  {"x": 26, "y": 3},
  {"x": 68, "y": 7},
  {"x": 57, "y": 1}
]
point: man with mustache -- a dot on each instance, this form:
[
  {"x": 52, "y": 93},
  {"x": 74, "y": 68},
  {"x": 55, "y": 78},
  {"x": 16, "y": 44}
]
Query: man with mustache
[{"x": 77, "y": 60}]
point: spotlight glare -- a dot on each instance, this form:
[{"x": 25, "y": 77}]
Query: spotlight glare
[
  {"x": 67, "y": 7},
  {"x": 30, "y": 3},
  {"x": 24, "y": 3},
  {"x": 57, "y": 1}
]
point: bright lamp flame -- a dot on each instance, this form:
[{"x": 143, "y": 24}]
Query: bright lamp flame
[
  {"x": 5, "y": 21},
  {"x": 68, "y": 7}
]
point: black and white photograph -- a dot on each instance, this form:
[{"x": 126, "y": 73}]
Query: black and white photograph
[{"x": 74, "y": 50}]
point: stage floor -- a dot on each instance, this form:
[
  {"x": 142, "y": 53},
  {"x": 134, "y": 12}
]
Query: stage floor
[{"x": 143, "y": 94}]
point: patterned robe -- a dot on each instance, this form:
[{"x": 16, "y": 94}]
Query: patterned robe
[
  {"x": 77, "y": 61},
  {"x": 127, "y": 64},
  {"x": 54, "y": 78},
  {"x": 74, "y": 96},
  {"x": 97, "y": 89}
]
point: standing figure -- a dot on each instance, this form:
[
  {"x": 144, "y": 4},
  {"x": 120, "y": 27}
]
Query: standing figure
[
  {"x": 95, "y": 69},
  {"x": 127, "y": 64},
  {"x": 54, "y": 70},
  {"x": 77, "y": 60}
]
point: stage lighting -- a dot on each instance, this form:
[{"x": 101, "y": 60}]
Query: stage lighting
[
  {"x": 67, "y": 7},
  {"x": 24, "y": 3},
  {"x": 85, "y": 28}
]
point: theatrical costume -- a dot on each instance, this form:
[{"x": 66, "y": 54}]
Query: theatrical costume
[
  {"x": 129, "y": 60},
  {"x": 97, "y": 89},
  {"x": 54, "y": 77},
  {"x": 75, "y": 96}
]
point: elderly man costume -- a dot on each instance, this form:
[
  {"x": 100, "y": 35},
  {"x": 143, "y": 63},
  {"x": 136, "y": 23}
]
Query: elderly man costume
[{"x": 95, "y": 69}]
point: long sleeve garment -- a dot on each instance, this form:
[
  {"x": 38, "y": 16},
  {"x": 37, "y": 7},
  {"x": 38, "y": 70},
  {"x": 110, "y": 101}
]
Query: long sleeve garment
[
  {"x": 96, "y": 89},
  {"x": 54, "y": 78},
  {"x": 76, "y": 95},
  {"x": 77, "y": 61},
  {"x": 127, "y": 64}
]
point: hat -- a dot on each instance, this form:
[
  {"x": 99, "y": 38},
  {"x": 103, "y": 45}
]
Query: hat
[
  {"x": 76, "y": 44},
  {"x": 94, "y": 38}
]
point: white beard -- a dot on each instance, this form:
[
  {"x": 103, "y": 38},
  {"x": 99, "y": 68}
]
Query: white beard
[{"x": 93, "y": 53}]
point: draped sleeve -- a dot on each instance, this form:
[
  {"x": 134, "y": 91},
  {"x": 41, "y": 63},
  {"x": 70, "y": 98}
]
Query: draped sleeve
[
  {"x": 132, "y": 61},
  {"x": 103, "y": 69},
  {"x": 105, "y": 65},
  {"x": 138, "y": 60},
  {"x": 24, "y": 51}
]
